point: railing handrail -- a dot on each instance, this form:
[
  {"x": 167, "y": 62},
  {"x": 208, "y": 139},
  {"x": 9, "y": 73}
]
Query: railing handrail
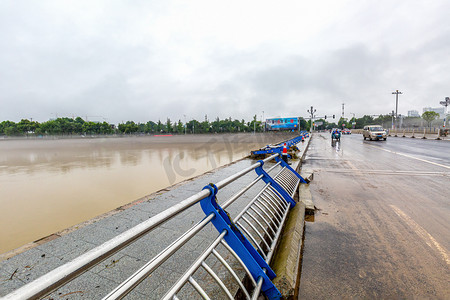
[{"x": 67, "y": 272}]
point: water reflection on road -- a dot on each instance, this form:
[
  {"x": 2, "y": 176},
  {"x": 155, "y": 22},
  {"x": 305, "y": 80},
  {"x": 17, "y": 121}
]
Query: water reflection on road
[{"x": 49, "y": 185}]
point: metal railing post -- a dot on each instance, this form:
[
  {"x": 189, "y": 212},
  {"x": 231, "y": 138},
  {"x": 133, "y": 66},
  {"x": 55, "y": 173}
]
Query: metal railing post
[
  {"x": 268, "y": 179},
  {"x": 284, "y": 164},
  {"x": 255, "y": 263}
]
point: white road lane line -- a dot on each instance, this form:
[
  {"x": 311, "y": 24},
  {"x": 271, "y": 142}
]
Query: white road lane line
[
  {"x": 428, "y": 238},
  {"x": 383, "y": 172},
  {"x": 410, "y": 156}
]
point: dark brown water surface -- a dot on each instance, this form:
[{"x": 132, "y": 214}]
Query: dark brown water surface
[{"x": 49, "y": 185}]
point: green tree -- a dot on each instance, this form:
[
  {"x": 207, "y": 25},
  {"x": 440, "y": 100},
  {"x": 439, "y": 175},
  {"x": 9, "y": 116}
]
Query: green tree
[
  {"x": 430, "y": 116},
  {"x": 25, "y": 126},
  {"x": 303, "y": 124},
  {"x": 90, "y": 127},
  {"x": 128, "y": 128},
  {"x": 9, "y": 128},
  {"x": 205, "y": 127},
  {"x": 169, "y": 127},
  {"x": 365, "y": 120},
  {"x": 50, "y": 127},
  {"x": 159, "y": 127},
  {"x": 150, "y": 127},
  {"x": 342, "y": 123},
  {"x": 106, "y": 128},
  {"x": 194, "y": 126},
  {"x": 255, "y": 125},
  {"x": 77, "y": 126},
  {"x": 180, "y": 127}
]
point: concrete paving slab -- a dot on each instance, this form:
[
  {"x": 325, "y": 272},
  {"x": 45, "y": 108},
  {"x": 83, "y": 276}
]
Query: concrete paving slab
[
  {"x": 29, "y": 265},
  {"x": 88, "y": 286},
  {"x": 118, "y": 267},
  {"x": 7, "y": 283},
  {"x": 96, "y": 237},
  {"x": 66, "y": 247},
  {"x": 158, "y": 283}
]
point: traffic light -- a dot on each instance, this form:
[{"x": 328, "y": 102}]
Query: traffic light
[
  {"x": 325, "y": 117},
  {"x": 333, "y": 117}
]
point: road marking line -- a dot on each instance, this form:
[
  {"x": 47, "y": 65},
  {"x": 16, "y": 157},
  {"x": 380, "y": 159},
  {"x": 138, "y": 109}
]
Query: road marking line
[
  {"x": 409, "y": 156},
  {"x": 384, "y": 172},
  {"x": 428, "y": 238}
]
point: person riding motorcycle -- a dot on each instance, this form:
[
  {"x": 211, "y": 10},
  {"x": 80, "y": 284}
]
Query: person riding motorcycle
[{"x": 336, "y": 134}]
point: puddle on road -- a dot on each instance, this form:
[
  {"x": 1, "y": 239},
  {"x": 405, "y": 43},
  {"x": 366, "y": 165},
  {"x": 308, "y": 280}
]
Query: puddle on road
[{"x": 49, "y": 185}]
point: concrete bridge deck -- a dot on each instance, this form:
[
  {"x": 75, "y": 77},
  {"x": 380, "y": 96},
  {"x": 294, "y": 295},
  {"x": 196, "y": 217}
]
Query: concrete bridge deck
[{"x": 101, "y": 279}]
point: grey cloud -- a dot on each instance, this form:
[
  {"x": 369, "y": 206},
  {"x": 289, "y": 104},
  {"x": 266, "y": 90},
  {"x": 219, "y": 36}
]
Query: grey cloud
[{"x": 110, "y": 61}]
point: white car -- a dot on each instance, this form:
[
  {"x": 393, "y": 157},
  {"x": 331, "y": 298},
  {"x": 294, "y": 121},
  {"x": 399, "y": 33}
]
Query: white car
[{"x": 374, "y": 132}]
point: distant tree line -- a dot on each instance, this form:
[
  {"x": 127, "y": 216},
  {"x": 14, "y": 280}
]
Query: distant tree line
[{"x": 78, "y": 126}]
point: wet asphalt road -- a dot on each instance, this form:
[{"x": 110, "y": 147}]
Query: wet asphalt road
[{"x": 382, "y": 229}]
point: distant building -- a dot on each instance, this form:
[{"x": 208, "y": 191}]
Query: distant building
[
  {"x": 413, "y": 113},
  {"x": 439, "y": 110}
]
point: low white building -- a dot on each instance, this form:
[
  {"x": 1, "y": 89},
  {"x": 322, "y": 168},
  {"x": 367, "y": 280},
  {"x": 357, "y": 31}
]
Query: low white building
[
  {"x": 439, "y": 110},
  {"x": 413, "y": 113}
]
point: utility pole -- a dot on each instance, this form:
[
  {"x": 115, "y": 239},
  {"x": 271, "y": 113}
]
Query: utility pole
[{"x": 396, "y": 93}]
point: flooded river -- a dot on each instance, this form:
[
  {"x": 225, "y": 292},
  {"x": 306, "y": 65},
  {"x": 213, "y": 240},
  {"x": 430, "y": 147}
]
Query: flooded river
[{"x": 49, "y": 185}]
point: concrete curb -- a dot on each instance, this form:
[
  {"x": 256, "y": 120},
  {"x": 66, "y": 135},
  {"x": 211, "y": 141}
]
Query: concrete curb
[
  {"x": 287, "y": 259},
  {"x": 306, "y": 198}
]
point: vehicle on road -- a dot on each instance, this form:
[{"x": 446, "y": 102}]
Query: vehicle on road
[
  {"x": 346, "y": 131},
  {"x": 374, "y": 132}
]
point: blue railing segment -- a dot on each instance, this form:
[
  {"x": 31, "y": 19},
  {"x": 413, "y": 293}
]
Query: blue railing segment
[
  {"x": 255, "y": 263},
  {"x": 268, "y": 179},
  {"x": 268, "y": 151},
  {"x": 279, "y": 148},
  {"x": 284, "y": 164}
]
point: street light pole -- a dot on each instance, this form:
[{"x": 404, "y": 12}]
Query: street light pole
[
  {"x": 396, "y": 105},
  {"x": 392, "y": 119},
  {"x": 446, "y": 103},
  {"x": 353, "y": 119},
  {"x": 312, "y": 111},
  {"x": 264, "y": 121}
]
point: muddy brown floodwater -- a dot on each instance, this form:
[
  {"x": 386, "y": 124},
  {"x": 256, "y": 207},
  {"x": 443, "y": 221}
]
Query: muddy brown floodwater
[{"x": 49, "y": 185}]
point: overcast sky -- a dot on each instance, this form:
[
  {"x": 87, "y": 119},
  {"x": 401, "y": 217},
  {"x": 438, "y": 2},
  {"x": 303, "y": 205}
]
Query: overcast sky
[{"x": 148, "y": 60}]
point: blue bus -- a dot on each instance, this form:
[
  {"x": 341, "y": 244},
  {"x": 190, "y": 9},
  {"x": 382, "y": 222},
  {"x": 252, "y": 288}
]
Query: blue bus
[{"x": 282, "y": 123}]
